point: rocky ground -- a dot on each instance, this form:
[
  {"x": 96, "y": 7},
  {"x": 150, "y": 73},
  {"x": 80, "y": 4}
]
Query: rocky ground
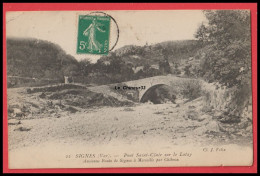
[{"x": 37, "y": 116}]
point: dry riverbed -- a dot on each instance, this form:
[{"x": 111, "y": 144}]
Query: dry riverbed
[
  {"x": 42, "y": 134},
  {"x": 144, "y": 122}
]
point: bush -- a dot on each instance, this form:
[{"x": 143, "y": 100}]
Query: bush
[{"x": 191, "y": 89}]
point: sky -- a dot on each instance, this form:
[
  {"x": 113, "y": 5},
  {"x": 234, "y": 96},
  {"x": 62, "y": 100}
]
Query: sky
[{"x": 135, "y": 27}]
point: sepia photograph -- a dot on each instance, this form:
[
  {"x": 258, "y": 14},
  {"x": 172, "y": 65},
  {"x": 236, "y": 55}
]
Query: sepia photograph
[{"x": 129, "y": 88}]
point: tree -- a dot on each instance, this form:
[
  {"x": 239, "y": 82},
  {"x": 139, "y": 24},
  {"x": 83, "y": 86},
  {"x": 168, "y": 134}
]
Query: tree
[
  {"x": 176, "y": 69},
  {"x": 187, "y": 70},
  {"x": 84, "y": 67},
  {"x": 228, "y": 57},
  {"x": 164, "y": 66},
  {"x": 70, "y": 70}
]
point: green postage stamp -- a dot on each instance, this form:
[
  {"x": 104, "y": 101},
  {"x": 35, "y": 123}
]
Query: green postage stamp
[{"x": 93, "y": 34}]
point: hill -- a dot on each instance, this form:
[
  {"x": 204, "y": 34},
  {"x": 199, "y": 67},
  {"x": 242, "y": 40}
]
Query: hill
[
  {"x": 30, "y": 59},
  {"x": 36, "y": 58},
  {"x": 174, "y": 51}
]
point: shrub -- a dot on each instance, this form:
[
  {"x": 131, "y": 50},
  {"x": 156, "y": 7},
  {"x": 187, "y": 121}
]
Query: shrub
[{"x": 191, "y": 89}]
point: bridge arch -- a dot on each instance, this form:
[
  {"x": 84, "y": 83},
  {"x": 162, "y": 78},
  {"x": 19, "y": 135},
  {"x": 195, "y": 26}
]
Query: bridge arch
[{"x": 158, "y": 93}]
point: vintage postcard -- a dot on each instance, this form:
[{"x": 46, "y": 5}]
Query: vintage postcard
[{"x": 129, "y": 88}]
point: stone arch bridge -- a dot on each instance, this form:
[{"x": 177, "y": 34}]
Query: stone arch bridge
[
  {"x": 153, "y": 82},
  {"x": 176, "y": 83}
]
